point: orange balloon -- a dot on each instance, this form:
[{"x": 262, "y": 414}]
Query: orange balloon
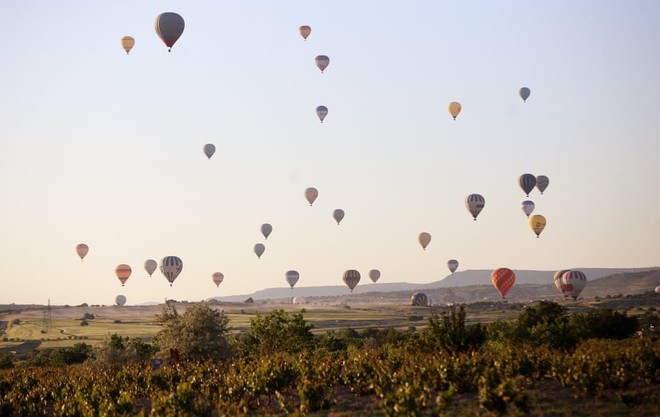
[
  {"x": 503, "y": 279},
  {"x": 123, "y": 271}
]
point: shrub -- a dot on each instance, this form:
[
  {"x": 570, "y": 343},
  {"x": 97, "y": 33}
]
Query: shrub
[
  {"x": 277, "y": 331},
  {"x": 116, "y": 351},
  {"x": 449, "y": 330},
  {"x": 604, "y": 324}
]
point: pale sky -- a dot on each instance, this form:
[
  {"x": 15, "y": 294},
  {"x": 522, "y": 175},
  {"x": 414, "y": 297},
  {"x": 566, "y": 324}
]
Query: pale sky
[{"x": 102, "y": 148}]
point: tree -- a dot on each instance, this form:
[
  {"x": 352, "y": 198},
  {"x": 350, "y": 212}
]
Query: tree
[
  {"x": 449, "y": 330},
  {"x": 278, "y": 331},
  {"x": 546, "y": 323},
  {"x": 117, "y": 351},
  {"x": 604, "y": 324},
  {"x": 199, "y": 333}
]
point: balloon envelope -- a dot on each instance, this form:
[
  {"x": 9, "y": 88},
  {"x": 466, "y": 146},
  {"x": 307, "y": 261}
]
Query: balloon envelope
[
  {"x": 127, "y": 42},
  {"x": 81, "y": 250},
  {"x": 292, "y": 277},
  {"x": 537, "y": 223},
  {"x": 322, "y": 62},
  {"x": 150, "y": 266},
  {"x": 169, "y": 27},
  {"x": 424, "y": 239},
  {"x": 374, "y": 274},
  {"x": 657, "y": 289},
  {"x": 123, "y": 271},
  {"x": 209, "y": 150},
  {"x": 120, "y": 300},
  {"x": 573, "y": 283},
  {"x": 475, "y": 203},
  {"x": 527, "y": 182},
  {"x": 217, "y": 278},
  {"x": 419, "y": 299},
  {"x": 259, "y": 249},
  {"x": 311, "y": 194},
  {"x": 351, "y": 278},
  {"x": 527, "y": 207},
  {"x": 542, "y": 183},
  {"x": 452, "y": 264},
  {"x": 338, "y": 215},
  {"x": 171, "y": 267},
  {"x": 321, "y": 112},
  {"x": 266, "y": 230},
  {"x": 305, "y": 31},
  {"x": 524, "y": 93},
  {"x": 556, "y": 279},
  {"x": 454, "y": 109},
  {"x": 503, "y": 279}
]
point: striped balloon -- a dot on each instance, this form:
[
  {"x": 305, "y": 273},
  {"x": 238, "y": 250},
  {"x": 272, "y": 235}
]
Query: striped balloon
[
  {"x": 527, "y": 182},
  {"x": 419, "y": 300},
  {"x": 123, "y": 271},
  {"x": 351, "y": 278},
  {"x": 127, "y": 42},
  {"x": 503, "y": 279},
  {"x": 573, "y": 283},
  {"x": 322, "y": 61},
  {"x": 321, "y": 112},
  {"x": 171, "y": 267},
  {"x": 528, "y": 207},
  {"x": 311, "y": 194},
  {"x": 475, "y": 203},
  {"x": 542, "y": 183},
  {"x": 169, "y": 27},
  {"x": 218, "y": 277},
  {"x": 557, "y": 280}
]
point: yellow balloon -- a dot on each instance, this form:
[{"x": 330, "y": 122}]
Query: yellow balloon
[
  {"x": 127, "y": 42},
  {"x": 537, "y": 223},
  {"x": 454, "y": 109}
]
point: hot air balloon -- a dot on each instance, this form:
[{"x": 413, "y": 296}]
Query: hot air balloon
[
  {"x": 311, "y": 194},
  {"x": 120, "y": 300},
  {"x": 292, "y": 277},
  {"x": 419, "y": 300},
  {"x": 259, "y": 250},
  {"x": 321, "y": 112},
  {"x": 338, "y": 215},
  {"x": 527, "y": 182},
  {"x": 557, "y": 280},
  {"x": 374, "y": 274},
  {"x": 81, "y": 250},
  {"x": 657, "y": 290},
  {"x": 351, "y": 278},
  {"x": 217, "y": 278},
  {"x": 169, "y": 27},
  {"x": 150, "y": 266},
  {"x": 266, "y": 230},
  {"x": 299, "y": 300},
  {"x": 542, "y": 183},
  {"x": 171, "y": 267},
  {"x": 527, "y": 207},
  {"x": 424, "y": 239},
  {"x": 452, "y": 264},
  {"x": 454, "y": 108},
  {"x": 123, "y": 271},
  {"x": 573, "y": 282},
  {"x": 537, "y": 223},
  {"x": 322, "y": 62},
  {"x": 304, "y": 31},
  {"x": 127, "y": 42},
  {"x": 524, "y": 93},
  {"x": 209, "y": 150},
  {"x": 475, "y": 203},
  {"x": 503, "y": 279}
]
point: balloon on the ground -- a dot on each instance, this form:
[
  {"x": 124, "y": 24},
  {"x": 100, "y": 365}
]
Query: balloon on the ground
[
  {"x": 527, "y": 182},
  {"x": 150, "y": 266},
  {"x": 171, "y": 267},
  {"x": 657, "y": 289},
  {"x": 452, "y": 264},
  {"x": 524, "y": 93},
  {"x": 322, "y": 62},
  {"x": 299, "y": 300},
  {"x": 424, "y": 239},
  {"x": 218, "y": 277},
  {"x": 123, "y": 271},
  {"x": 528, "y": 207},
  {"x": 321, "y": 112},
  {"x": 311, "y": 194},
  {"x": 338, "y": 215},
  {"x": 305, "y": 31},
  {"x": 556, "y": 279},
  {"x": 209, "y": 150},
  {"x": 82, "y": 250},
  {"x": 374, "y": 274},
  {"x": 259, "y": 249},
  {"x": 573, "y": 283},
  {"x": 454, "y": 109},
  {"x": 503, "y": 279},
  {"x": 120, "y": 300},
  {"x": 542, "y": 183},
  {"x": 266, "y": 230},
  {"x": 351, "y": 278},
  {"x": 537, "y": 223},
  {"x": 475, "y": 203},
  {"x": 169, "y": 27},
  {"x": 292, "y": 277},
  {"x": 419, "y": 300},
  {"x": 127, "y": 42}
]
